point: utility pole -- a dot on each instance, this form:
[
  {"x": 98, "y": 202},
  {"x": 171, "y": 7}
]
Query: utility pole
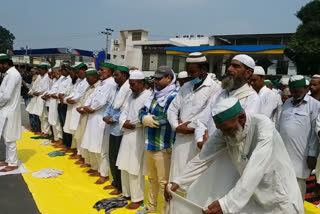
[{"x": 107, "y": 32}]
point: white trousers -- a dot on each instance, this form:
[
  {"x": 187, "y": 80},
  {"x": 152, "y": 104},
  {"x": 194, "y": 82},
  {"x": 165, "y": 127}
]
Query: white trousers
[
  {"x": 45, "y": 126},
  {"x": 92, "y": 160},
  {"x": 103, "y": 165},
  {"x": 302, "y": 186},
  {"x": 57, "y": 132},
  {"x": 132, "y": 186},
  {"x": 11, "y": 153}
]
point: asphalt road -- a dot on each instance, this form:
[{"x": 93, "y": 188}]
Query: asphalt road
[{"x": 15, "y": 197}]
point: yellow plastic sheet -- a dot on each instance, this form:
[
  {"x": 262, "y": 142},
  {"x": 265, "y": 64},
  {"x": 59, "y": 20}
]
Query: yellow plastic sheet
[{"x": 74, "y": 192}]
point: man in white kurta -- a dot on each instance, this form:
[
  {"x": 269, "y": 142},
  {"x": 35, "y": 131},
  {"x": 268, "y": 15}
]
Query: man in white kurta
[
  {"x": 297, "y": 129},
  {"x": 64, "y": 88},
  {"x": 187, "y": 108},
  {"x": 258, "y": 154},
  {"x": 73, "y": 100},
  {"x": 40, "y": 108},
  {"x": 234, "y": 85},
  {"x": 94, "y": 138},
  {"x": 131, "y": 153},
  {"x": 270, "y": 101},
  {"x": 81, "y": 119},
  {"x": 52, "y": 98},
  {"x": 34, "y": 119},
  {"x": 10, "y": 111}
]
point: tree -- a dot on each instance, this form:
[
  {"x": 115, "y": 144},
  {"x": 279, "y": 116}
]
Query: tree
[
  {"x": 304, "y": 47},
  {"x": 6, "y": 40}
]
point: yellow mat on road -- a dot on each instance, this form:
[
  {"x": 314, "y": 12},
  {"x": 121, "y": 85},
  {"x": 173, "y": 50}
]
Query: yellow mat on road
[{"x": 74, "y": 192}]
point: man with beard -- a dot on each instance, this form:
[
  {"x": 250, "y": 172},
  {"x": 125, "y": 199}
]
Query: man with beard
[
  {"x": 315, "y": 87},
  {"x": 297, "y": 129},
  {"x": 93, "y": 139},
  {"x": 257, "y": 153},
  {"x": 131, "y": 153},
  {"x": 235, "y": 84},
  {"x": 10, "y": 112}
]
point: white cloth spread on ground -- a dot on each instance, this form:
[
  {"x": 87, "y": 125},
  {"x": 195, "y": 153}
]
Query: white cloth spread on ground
[
  {"x": 47, "y": 173},
  {"x": 266, "y": 172}
]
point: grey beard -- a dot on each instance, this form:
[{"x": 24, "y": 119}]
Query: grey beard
[{"x": 231, "y": 84}]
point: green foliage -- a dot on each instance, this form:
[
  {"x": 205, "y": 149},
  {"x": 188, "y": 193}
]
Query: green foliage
[
  {"x": 304, "y": 47},
  {"x": 6, "y": 40}
]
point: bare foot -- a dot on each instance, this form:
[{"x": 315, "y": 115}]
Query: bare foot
[
  {"x": 80, "y": 162},
  {"x": 91, "y": 171},
  {"x": 102, "y": 180},
  {"x": 74, "y": 157},
  {"x": 85, "y": 165},
  {"x": 108, "y": 187},
  {"x": 95, "y": 174},
  {"x": 3, "y": 163},
  {"x": 9, "y": 168},
  {"x": 134, "y": 205},
  {"x": 115, "y": 192}
]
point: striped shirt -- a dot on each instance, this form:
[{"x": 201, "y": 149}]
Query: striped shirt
[{"x": 161, "y": 138}]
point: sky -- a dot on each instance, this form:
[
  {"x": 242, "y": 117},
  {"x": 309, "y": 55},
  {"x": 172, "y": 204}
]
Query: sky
[{"x": 78, "y": 23}]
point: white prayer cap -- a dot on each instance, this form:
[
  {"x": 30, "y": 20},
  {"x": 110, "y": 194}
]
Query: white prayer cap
[
  {"x": 56, "y": 66},
  {"x": 258, "y": 70},
  {"x": 316, "y": 76},
  {"x": 297, "y": 81},
  {"x": 226, "y": 109},
  {"x": 196, "y": 57},
  {"x": 284, "y": 80},
  {"x": 136, "y": 75},
  {"x": 182, "y": 75},
  {"x": 245, "y": 59},
  {"x": 50, "y": 70}
]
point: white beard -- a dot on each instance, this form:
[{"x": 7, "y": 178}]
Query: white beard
[{"x": 238, "y": 137}]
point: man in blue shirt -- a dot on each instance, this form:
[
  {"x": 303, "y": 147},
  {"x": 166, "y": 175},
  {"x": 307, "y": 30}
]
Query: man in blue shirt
[
  {"x": 111, "y": 117},
  {"x": 159, "y": 135}
]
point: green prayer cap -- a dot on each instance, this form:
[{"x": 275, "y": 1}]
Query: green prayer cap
[
  {"x": 5, "y": 56},
  {"x": 227, "y": 109},
  {"x": 91, "y": 72},
  {"x": 122, "y": 68},
  {"x": 297, "y": 81},
  {"x": 44, "y": 65},
  {"x": 107, "y": 65}
]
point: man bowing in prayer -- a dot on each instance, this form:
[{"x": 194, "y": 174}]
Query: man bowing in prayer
[
  {"x": 131, "y": 153},
  {"x": 10, "y": 111},
  {"x": 297, "y": 129},
  {"x": 258, "y": 154}
]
